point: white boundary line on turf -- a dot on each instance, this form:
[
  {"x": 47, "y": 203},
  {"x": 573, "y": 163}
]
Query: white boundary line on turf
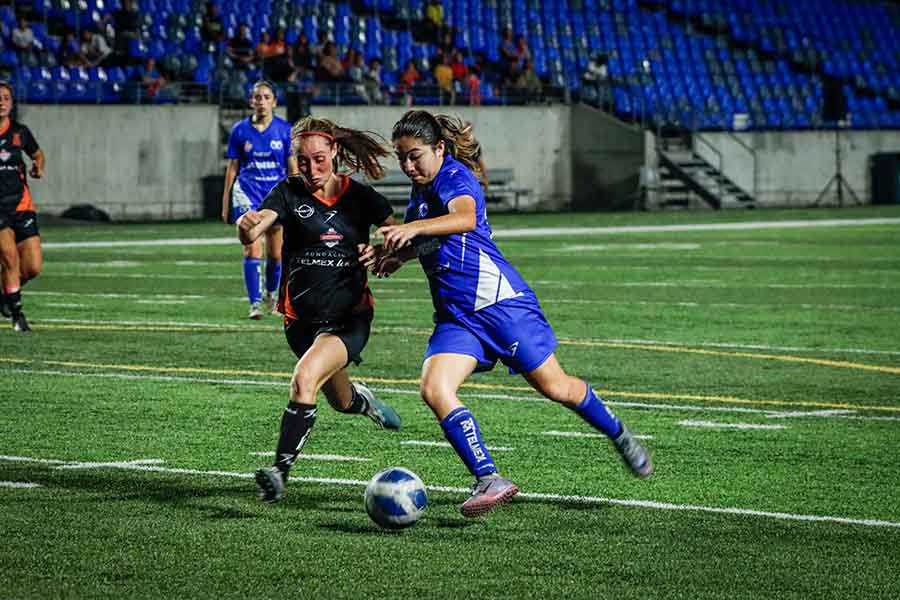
[
  {"x": 600, "y": 500},
  {"x": 396, "y": 329},
  {"x": 720, "y": 425},
  {"x": 581, "y": 434},
  {"x": 769, "y": 413},
  {"x": 532, "y": 232},
  {"x": 447, "y": 445},
  {"x": 19, "y": 485},
  {"x": 323, "y": 457}
]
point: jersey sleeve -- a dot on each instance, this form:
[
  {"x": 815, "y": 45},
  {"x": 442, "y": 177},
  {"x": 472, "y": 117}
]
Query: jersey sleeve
[
  {"x": 29, "y": 144},
  {"x": 276, "y": 200},
  {"x": 379, "y": 207},
  {"x": 455, "y": 183},
  {"x": 234, "y": 143}
]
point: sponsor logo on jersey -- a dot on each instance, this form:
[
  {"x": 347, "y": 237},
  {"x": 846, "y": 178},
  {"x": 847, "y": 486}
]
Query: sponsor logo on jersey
[
  {"x": 277, "y": 145},
  {"x": 4, "y": 155},
  {"x": 16, "y": 140},
  {"x": 304, "y": 211},
  {"x": 330, "y": 215},
  {"x": 513, "y": 347},
  {"x": 423, "y": 210},
  {"x": 331, "y": 237},
  {"x": 248, "y": 146}
]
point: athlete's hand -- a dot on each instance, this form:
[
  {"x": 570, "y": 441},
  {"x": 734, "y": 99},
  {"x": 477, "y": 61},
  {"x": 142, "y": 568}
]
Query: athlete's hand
[
  {"x": 36, "y": 171},
  {"x": 250, "y": 220},
  {"x": 386, "y": 264},
  {"x": 367, "y": 255},
  {"x": 225, "y": 214},
  {"x": 396, "y": 236}
]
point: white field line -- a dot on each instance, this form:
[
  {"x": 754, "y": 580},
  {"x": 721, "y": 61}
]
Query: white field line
[
  {"x": 18, "y": 485},
  {"x": 580, "y": 434},
  {"x": 323, "y": 457},
  {"x": 111, "y": 465},
  {"x": 598, "y": 500},
  {"x": 157, "y": 302},
  {"x": 447, "y": 445},
  {"x": 769, "y": 413},
  {"x": 531, "y": 232},
  {"x": 718, "y": 425}
]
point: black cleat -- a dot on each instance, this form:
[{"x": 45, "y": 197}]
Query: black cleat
[
  {"x": 20, "y": 323},
  {"x": 270, "y": 485}
]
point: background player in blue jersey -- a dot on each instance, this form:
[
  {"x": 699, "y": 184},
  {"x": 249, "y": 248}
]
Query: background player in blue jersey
[
  {"x": 325, "y": 298},
  {"x": 259, "y": 153},
  {"x": 20, "y": 242},
  {"x": 484, "y": 310}
]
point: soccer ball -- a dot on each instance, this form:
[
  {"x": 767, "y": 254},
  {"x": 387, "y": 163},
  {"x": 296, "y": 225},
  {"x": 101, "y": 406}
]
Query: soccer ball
[{"x": 395, "y": 498}]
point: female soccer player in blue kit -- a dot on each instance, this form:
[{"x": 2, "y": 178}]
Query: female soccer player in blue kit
[
  {"x": 484, "y": 310},
  {"x": 259, "y": 153}
]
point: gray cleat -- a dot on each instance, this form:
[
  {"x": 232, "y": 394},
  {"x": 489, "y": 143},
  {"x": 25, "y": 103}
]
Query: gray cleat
[
  {"x": 380, "y": 413},
  {"x": 488, "y": 493},
  {"x": 634, "y": 454},
  {"x": 270, "y": 485}
]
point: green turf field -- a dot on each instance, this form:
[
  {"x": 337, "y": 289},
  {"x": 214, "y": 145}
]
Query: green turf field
[{"x": 762, "y": 365}]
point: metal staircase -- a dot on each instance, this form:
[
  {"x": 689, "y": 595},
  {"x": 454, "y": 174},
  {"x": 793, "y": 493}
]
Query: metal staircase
[{"x": 687, "y": 180}]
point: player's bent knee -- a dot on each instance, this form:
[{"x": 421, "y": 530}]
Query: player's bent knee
[{"x": 303, "y": 387}]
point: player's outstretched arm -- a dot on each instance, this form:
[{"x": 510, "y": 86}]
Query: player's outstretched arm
[
  {"x": 253, "y": 224},
  {"x": 460, "y": 219}
]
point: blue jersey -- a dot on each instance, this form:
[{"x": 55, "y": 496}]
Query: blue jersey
[
  {"x": 262, "y": 157},
  {"x": 466, "y": 271}
]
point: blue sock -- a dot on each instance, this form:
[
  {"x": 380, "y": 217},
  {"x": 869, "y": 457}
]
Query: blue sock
[
  {"x": 273, "y": 275},
  {"x": 251, "y": 279},
  {"x": 595, "y": 412},
  {"x": 461, "y": 430}
]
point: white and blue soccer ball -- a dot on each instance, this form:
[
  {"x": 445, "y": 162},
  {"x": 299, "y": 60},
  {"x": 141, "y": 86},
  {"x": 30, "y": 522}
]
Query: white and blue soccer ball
[{"x": 395, "y": 498}]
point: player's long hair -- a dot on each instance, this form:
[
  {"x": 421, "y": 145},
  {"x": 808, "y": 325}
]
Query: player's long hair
[
  {"x": 458, "y": 136},
  {"x": 357, "y": 150}
]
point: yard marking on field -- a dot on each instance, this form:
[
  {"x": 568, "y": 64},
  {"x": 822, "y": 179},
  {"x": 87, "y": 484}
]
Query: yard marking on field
[
  {"x": 447, "y": 445},
  {"x": 598, "y": 500},
  {"x": 323, "y": 457},
  {"x": 18, "y": 485},
  {"x": 719, "y": 425},
  {"x": 468, "y": 385},
  {"x": 581, "y": 434},
  {"x": 531, "y": 232}
]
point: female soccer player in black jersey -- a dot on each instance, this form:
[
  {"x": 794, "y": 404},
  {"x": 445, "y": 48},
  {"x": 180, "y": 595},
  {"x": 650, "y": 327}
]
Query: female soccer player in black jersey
[
  {"x": 325, "y": 298},
  {"x": 20, "y": 242}
]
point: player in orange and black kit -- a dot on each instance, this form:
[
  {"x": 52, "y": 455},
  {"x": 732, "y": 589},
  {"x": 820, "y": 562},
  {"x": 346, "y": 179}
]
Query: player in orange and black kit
[
  {"x": 20, "y": 242},
  {"x": 324, "y": 295}
]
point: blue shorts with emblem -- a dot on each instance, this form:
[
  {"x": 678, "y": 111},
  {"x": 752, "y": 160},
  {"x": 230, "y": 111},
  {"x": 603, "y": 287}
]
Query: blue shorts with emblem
[{"x": 514, "y": 331}]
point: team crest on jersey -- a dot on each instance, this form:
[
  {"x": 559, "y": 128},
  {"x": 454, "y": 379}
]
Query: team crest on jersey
[
  {"x": 248, "y": 146},
  {"x": 423, "y": 210},
  {"x": 304, "y": 211},
  {"x": 331, "y": 237},
  {"x": 4, "y": 155},
  {"x": 276, "y": 145}
]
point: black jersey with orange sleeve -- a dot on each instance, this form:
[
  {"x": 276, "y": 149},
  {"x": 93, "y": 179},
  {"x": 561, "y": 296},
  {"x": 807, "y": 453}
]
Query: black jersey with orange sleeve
[
  {"x": 15, "y": 141},
  {"x": 323, "y": 280}
]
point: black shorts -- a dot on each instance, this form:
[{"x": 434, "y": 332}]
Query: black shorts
[
  {"x": 24, "y": 224},
  {"x": 354, "y": 332}
]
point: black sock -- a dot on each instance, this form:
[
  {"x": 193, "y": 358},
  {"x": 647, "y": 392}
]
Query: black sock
[
  {"x": 14, "y": 302},
  {"x": 358, "y": 403},
  {"x": 296, "y": 423}
]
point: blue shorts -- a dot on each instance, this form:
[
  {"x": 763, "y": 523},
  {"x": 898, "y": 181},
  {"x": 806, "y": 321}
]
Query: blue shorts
[{"x": 514, "y": 331}]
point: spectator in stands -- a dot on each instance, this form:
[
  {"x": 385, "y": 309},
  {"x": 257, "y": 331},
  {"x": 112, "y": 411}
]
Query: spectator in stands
[
  {"x": 240, "y": 47},
  {"x": 22, "y": 36},
  {"x": 212, "y": 30},
  {"x": 330, "y": 69},
  {"x": 94, "y": 48},
  {"x": 374, "y": 83},
  {"x": 70, "y": 50},
  {"x": 473, "y": 83},
  {"x": 458, "y": 65},
  {"x": 408, "y": 79},
  {"x": 523, "y": 53},
  {"x": 127, "y": 23},
  {"x": 276, "y": 63},
  {"x": 356, "y": 73},
  {"x": 152, "y": 81},
  {"x": 434, "y": 20},
  {"x": 596, "y": 80},
  {"x": 262, "y": 47},
  {"x": 443, "y": 75},
  {"x": 301, "y": 57},
  {"x": 508, "y": 53},
  {"x": 528, "y": 81}
]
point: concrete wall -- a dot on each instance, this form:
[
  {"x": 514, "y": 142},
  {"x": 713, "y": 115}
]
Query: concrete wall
[
  {"x": 606, "y": 157},
  {"x": 533, "y": 141},
  {"x": 792, "y": 168},
  {"x": 133, "y": 162}
]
